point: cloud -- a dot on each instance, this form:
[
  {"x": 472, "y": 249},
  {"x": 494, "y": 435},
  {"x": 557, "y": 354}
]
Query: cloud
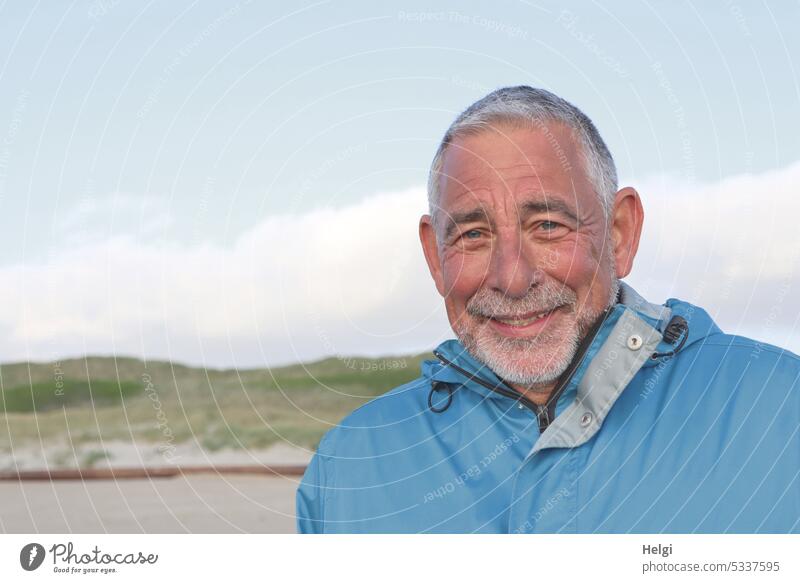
[
  {"x": 343, "y": 281},
  {"x": 352, "y": 280},
  {"x": 730, "y": 247}
]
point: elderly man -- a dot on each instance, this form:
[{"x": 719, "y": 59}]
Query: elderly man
[{"x": 568, "y": 402}]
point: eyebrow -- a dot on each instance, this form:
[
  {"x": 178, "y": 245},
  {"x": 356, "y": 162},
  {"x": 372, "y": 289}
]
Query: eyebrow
[
  {"x": 533, "y": 207},
  {"x": 461, "y": 218},
  {"x": 527, "y": 208}
]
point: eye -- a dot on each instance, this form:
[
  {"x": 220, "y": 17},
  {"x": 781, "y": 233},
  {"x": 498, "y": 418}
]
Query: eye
[
  {"x": 472, "y": 234},
  {"x": 550, "y": 229},
  {"x": 549, "y": 225}
]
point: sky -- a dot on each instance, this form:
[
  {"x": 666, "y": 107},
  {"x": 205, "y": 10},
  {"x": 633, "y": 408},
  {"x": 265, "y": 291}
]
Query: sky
[{"x": 239, "y": 184}]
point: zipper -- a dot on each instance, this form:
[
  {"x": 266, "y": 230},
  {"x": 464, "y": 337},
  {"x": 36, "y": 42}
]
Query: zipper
[{"x": 546, "y": 413}]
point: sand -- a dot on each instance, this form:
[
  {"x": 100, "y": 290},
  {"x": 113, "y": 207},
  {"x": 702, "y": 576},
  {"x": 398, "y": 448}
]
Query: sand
[{"x": 196, "y": 504}]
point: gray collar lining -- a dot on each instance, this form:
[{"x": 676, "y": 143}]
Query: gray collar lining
[
  {"x": 605, "y": 378},
  {"x": 631, "y": 298}
]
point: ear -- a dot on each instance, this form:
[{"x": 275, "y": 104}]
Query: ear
[
  {"x": 626, "y": 228},
  {"x": 430, "y": 247}
]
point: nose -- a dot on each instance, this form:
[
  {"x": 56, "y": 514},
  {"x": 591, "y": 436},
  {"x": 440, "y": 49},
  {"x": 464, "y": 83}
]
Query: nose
[{"x": 511, "y": 270}]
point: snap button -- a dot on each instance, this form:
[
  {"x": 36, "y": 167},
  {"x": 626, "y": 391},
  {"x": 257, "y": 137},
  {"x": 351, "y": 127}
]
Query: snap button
[
  {"x": 634, "y": 342},
  {"x": 586, "y": 419},
  {"x": 520, "y": 406}
]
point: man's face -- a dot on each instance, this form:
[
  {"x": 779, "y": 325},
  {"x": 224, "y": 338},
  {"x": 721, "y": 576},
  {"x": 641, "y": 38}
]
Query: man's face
[{"x": 522, "y": 253}]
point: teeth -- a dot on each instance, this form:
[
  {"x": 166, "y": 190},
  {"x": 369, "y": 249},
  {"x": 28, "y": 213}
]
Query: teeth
[{"x": 524, "y": 322}]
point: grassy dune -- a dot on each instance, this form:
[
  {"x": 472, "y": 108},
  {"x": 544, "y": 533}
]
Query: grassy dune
[{"x": 82, "y": 401}]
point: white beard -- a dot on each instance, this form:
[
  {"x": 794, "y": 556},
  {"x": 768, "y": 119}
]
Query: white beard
[{"x": 539, "y": 360}]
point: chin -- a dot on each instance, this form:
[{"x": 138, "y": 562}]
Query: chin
[{"x": 523, "y": 361}]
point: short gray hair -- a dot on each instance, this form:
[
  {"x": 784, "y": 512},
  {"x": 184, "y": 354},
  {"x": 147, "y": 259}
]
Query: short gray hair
[{"x": 524, "y": 106}]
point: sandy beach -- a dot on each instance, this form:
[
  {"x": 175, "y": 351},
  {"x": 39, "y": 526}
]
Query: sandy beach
[
  {"x": 203, "y": 503},
  {"x": 193, "y": 504}
]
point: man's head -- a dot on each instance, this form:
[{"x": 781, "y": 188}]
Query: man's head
[{"x": 527, "y": 235}]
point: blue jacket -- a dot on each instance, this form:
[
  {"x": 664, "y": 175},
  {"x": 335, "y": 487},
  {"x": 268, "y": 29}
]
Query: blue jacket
[{"x": 662, "y": 424}]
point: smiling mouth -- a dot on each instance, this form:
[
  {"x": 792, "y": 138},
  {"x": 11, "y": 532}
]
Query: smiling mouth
[{"x": 520, "y": 322}]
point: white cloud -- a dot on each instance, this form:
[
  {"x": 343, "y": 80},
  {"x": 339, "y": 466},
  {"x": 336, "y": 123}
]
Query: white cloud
[
  {"x": 335, "y": 280},
  {"x": 352, "y": 280},
  {"x": 730, "y": 247}
]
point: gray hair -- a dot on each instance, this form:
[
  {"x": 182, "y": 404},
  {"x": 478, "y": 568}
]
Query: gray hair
[{"x": 525, "y": 106}]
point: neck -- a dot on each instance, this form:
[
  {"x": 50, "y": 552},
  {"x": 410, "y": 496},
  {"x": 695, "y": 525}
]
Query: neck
[{"x": 536, "y": 393}]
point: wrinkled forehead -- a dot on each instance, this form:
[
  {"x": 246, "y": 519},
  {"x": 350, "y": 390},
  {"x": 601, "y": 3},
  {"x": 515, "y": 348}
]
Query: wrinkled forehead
[{"x": 513, "y": 163}]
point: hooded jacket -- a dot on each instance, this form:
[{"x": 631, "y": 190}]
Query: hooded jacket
[{"x": 662, "y": 423}]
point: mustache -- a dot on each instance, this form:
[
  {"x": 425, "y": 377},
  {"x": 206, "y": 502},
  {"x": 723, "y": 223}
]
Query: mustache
[{"x": 488, "y": 303}]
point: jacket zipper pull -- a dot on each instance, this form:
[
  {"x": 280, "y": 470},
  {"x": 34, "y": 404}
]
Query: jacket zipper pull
[{"x": 543, "y": 416}]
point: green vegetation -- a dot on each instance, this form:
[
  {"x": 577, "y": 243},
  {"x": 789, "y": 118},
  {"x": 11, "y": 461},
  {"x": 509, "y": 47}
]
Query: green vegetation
[
  {"x": 84, "y": 401},
  {"x": 44, "y": 396}
]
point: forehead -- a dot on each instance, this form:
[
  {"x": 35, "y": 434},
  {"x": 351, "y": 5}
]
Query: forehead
[{"x": 507, "y": 163}]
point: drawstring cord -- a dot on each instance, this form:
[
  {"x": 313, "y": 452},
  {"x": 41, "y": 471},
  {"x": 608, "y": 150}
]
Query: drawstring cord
[{"x": 435, "y": 387}]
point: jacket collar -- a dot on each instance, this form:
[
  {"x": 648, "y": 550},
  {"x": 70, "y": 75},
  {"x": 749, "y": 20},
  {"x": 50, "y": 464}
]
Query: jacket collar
[
  {"x": 627, "y": 339},
  {"x": 650, "y": 321}
]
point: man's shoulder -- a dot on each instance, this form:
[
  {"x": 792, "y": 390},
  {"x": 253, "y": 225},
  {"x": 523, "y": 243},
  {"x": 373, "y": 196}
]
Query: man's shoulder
[
  {"x": 707, "y": 337},
  {"x": 390, "y": 412},
  {"x": 392, "y": 405},
  {"x": 740, "y": 361},
  {"x": 737, "y": 346}
]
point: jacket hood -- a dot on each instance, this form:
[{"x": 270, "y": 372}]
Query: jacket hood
[{"x": 699, "y": 323}]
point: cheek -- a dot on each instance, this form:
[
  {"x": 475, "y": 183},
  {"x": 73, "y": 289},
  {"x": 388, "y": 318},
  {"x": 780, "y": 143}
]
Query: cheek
[
  {"x": 463, "y": 275},
  {"x": 573, "y": 264}
]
